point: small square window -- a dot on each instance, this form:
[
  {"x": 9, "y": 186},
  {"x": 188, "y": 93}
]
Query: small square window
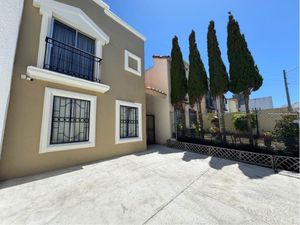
[{"x": 132, "y": 63}]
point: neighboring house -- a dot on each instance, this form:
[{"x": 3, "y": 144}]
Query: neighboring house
[
  {"x": 232, "y": 105},
  {"x": 237, "y": 104},
  {"x": 158, "y": 99},
  {"x": 77, "y": 93}
]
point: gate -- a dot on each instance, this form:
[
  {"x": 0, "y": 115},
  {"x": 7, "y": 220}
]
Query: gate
[{"x": 150, "y": 129}]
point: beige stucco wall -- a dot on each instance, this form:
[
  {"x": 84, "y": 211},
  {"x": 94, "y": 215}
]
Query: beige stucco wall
[
  {"x": 158, "y": 106},
  {"x": 266, "y": 120},
  {"x": 20, "y": 155}
]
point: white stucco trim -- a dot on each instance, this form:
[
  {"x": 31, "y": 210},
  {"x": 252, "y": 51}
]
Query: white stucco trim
[
  {"x": 124, "y": 24},
  {"x": 47, "y": 118},
  {"x": 10, "y": 19},
  {"x": 101, "y": 4},
  {"x": 119, "y": 140},
  {"x": 71, "y": 16},
  {"x": 59, "y": 78},
  {"x": 107, "y": 11},
  {"x": 126, "y": 63}
]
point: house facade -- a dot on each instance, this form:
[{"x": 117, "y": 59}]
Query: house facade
[
  {"x": 158, "y": 99},
  {"x": 77, "y": 88}
]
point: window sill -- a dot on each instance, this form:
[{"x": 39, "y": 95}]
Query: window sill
[
  {"x": 65, "y": 147},
  {"x": 59, "y": 78},
  {"x": 135, "y": 72},
  {"x": 128, "y": 140}
]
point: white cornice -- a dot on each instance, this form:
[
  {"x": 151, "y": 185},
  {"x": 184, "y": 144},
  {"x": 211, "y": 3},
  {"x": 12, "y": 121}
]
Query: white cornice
[
  {"x": 101, "y": 4},
  {"x": 124, "y": 24},
  {"x": 73, "y": 16},
  {"x": 58, "y": 78},
  {"x": 118, "y": 19}
]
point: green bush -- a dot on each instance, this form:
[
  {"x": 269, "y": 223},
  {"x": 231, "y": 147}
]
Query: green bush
[
  {"x": 240, "y": 121},
  {"x": 287, "y": 131}
]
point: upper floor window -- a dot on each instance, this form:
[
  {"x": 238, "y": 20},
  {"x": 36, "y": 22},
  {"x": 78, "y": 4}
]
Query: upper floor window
[
  {"x": 133, "y": 63},
  {"x": 71, "y": 52}
]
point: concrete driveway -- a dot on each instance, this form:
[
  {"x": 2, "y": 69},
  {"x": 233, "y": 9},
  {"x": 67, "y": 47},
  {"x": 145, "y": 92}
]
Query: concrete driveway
[{"x": 160, "y": 186}]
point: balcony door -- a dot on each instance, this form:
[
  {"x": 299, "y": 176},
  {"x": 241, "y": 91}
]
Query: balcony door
[{"x": 72, "y": 52}]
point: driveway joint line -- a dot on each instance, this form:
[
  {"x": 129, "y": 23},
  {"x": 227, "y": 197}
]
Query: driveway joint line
[{"x": 181, "y": 192}]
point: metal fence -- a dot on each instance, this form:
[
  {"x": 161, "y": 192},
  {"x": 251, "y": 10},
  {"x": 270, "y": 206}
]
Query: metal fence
[{"x": 267, "y": 160}]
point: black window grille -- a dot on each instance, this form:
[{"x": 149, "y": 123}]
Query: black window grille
[
  {"x": 70, "y": 120},
  {"x": 129, "y": 122},
  {"x": 179, "y": 116}
]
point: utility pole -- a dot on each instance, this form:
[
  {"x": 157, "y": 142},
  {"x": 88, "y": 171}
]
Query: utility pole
[{"x": 287, "y": 92}]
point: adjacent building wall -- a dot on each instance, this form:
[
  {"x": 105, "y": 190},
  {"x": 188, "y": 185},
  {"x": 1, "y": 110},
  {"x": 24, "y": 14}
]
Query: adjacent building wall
[
  {"x": 158, "y": 76},
  {"x": 159, "y": 105},
  {"x": 266, "y": 119},
  {"x": 10, "y": 19},
  {"x": 22, "y": 134}
]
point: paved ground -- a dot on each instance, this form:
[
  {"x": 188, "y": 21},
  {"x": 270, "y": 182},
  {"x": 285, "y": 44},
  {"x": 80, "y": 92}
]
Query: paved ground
[{"x": 160, "y": 186}]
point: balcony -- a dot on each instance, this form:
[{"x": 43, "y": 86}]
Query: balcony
[{"x": 71, "y": 61}]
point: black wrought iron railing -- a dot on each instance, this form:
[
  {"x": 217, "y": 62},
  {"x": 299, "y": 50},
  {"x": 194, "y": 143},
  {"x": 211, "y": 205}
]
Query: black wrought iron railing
[{"x": 66, "y": 59}]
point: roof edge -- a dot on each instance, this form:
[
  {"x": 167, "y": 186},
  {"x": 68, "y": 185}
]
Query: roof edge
[{"x": 112, "y": 15}]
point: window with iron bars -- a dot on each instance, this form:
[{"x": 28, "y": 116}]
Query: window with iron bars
[
  {"x": 129, "y": 122},
  {"x": 70, "y": 120}
]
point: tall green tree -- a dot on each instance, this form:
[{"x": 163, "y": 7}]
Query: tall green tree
[
  {"x": 244, "y": 74},
  {"x": 178, "y": 79},
  {"x": 197, "y": 81},
  {"x": 218, "y": 76}
]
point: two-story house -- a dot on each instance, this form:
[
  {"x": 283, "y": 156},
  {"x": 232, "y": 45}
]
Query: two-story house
[{"x": 77, "y": 88}]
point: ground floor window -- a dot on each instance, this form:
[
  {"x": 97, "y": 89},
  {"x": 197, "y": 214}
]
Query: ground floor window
[
  {"x": 69, "y": 121},
  {"x": 193, "y": 118},
  {"x": 128, "y": 122}
]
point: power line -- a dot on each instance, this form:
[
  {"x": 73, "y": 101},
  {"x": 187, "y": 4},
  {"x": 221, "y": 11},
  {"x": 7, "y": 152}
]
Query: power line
[{"x": 292, "y": 69}]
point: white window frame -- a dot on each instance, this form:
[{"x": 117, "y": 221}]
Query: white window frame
[
  {"x": 119, "y": 140},
  {"x": 139, "y": 63},
  {"x": 73, "y": 17},
  {"x": 45, "y": 145}
]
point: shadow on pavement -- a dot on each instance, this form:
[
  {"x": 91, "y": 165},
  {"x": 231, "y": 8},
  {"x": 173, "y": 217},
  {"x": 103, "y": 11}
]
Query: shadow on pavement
[
  {"x": 249, "y": 170},
  {"x": 27, "y": 179}
]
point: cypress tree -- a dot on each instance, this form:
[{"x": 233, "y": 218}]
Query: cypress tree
[
  {"x": 178, "y": 78},
  {"x": 218, "y": 77},
  {"x": 244, "y": 74},
  {"x": 197, "y": 81}
]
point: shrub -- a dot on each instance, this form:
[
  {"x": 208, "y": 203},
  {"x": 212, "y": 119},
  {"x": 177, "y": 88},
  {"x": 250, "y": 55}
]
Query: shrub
[
  {"x": 240, "y": 121},
  {"x": 287, "y": 131}
]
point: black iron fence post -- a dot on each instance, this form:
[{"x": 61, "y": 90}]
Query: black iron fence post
[{"x": 256, "y": 120}]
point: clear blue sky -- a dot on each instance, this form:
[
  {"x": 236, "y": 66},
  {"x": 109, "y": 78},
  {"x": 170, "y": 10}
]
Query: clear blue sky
[{"x": 271, "y": 28}]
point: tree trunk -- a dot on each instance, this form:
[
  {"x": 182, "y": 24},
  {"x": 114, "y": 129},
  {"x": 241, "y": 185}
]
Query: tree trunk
[
  {"x": 200, "y": 118},
  {"x": 221, "y": 118},
  {"x": 179, "y": 108},
  {"x": 183, "y": 112},
  {"x": 246, "y": 99}
]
